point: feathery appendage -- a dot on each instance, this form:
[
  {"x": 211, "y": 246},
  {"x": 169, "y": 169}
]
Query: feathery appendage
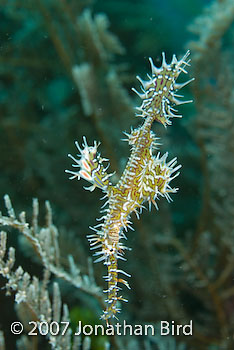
[
  {"x": 159, "y": 92},
  {"x": 146, "y": 176}
]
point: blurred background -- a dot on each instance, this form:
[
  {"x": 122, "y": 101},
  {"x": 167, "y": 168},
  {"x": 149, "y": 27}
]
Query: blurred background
[{"x": 66, "y": 70}]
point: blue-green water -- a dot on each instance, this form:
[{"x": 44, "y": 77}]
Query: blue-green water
[{"x": 67, "y": 68}]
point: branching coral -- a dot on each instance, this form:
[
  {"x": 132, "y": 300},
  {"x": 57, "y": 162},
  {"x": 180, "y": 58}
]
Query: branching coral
[
  {"x": 212, "y": 242},
  {"x": 210, "y": 27},
  {"x": 53, "y": 93},
  {"x": 31, "y": 294},
  {"x": 45, "y": 243}
]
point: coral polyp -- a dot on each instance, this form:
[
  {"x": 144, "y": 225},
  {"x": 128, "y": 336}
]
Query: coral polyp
[{"x": 147, "y": 175}]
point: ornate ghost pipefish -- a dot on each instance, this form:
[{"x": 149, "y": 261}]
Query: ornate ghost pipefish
[{"x": 146, "y": 177}]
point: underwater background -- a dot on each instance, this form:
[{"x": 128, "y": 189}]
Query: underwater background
[{"x": 67, "y": 68}]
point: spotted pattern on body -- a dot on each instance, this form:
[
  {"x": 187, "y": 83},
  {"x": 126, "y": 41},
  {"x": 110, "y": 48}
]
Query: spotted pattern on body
[{"x": 146, "y": 177}]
